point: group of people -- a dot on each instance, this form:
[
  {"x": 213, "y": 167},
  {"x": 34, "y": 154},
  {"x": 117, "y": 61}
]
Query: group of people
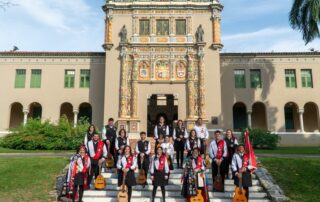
[{"x": 223, "y": 152}]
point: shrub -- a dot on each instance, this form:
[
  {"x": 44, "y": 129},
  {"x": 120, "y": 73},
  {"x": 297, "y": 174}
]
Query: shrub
[
  {"x": 261, "y": 138},
  {"x": 46, "y": 135}
]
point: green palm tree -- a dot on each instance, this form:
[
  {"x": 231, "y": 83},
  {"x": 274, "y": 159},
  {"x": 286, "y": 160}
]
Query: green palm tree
[{"x": 305, "y": 17}]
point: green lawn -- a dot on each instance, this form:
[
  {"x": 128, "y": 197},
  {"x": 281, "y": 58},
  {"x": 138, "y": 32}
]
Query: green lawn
[
  {"x": 290, "y": 150},
  {"x": 6, "y": 150},
  {"x": 299, "y": 178},
  {"x": 29, "y": 178}
]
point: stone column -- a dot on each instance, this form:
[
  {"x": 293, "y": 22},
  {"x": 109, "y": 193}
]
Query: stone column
[
  {"x": 108, "y": 29},
  {"x": 75, "y": 117},
  {"x": 25, "y": 116},
  {"x": 202, "y": 112},
  {"x": 301, "y": 111},
  {"x": 123, "y": 84},
  {"x": 216, "y": 31},
  {"x": 249, "y": 113},
  {"x": 190, "y": 87},
  {"x": 134, "y": 90}
]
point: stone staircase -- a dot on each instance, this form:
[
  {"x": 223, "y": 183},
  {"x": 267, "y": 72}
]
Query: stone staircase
[{"x": 173, "y": 190}]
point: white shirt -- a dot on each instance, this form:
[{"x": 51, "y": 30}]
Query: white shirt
[
  {"x": 214, "y": 148},
  {"x": 175, "y": 134},
  {"x": 156, "y": 136},
  {"x": 122, "y": 162},
  {"x": 168, "y": 148},
  {"x": 188, "y": 145},
  {"x": 202, "y": 131},
  {"x": 154, "y": 165},
  {"x": 92, "y": 153}
]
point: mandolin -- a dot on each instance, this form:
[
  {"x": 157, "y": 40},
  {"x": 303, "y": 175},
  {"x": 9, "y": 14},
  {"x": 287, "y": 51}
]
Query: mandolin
[
  {"x": 123, "y": 193},
  {"x": 218, "y": 183},
  {"x": 141, "y": 178},
  {"x": 198, "y": 197},
  {"x": 239, "y": 192},
  {"x": 100, "y": 182},
  {"x": 110, "y": 162}
]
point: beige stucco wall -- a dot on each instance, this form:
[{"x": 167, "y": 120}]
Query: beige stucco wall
[{"x": 52, "y": 92}]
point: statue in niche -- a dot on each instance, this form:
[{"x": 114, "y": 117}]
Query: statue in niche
[
  {"x": 199, "y": 34},
  {"x": 123, "y": 35}
]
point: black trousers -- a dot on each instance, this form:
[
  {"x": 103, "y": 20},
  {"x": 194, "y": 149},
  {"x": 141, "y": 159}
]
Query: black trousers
[
  {"x": 203, "y": 148},
  {"x": 179, "y": 156},
  {"x": 214, "y": 167},
  {"x": 129, "y": 193},
  {"x": 94, "y": 171},
  {"x": 163, "y": 191},
  {"x": 75, "y": 189}
]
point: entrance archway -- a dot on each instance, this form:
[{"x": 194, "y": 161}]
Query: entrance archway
[
  {"x": 240, "y": 118},
  {"x": 291, "y": 116},
  {"x": 16, "y": 115},
  {"x": 85, "y": 112},
  {"x": 311, "y": 117},
  {"x": 35, "y": 110},
  {"x": 259, "y": 116},
  {"x": 67, "y": 110},
  {"x": 165, "y": 105}
]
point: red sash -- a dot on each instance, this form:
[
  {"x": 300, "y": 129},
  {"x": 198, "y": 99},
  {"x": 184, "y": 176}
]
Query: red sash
[
  {"x": 245, "y": 161},
  {"x": 99, "y": 150},
  {"x": 199, "y": 162},
  {"x": 161, "y": 162},
  {"x": 85, "y": 171},
  {"x": 220, "y": 146},
  {"x": 129, "y": 162}
]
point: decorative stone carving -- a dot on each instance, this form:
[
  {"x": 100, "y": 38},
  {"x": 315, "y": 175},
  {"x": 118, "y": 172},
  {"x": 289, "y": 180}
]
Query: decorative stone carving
[
  {"x": 123, "y": 35},
  {"x": 199, "y": 34},
  {"x": 162, "y": 70},
  {"x": 180, "y": 68},
  {"x": 191, "y": 89},
  {"x": 144, "y": 70},
  {"x": 134, "y": 88}
]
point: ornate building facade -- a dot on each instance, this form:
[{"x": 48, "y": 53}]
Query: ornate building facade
[{"x": 162, "y": 58}]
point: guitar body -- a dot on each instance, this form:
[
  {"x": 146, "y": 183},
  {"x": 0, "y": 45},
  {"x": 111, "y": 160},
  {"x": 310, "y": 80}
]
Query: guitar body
[
  {"x": 141, "y": 178},
  {"x": 198, "y": 197},
  {"x": 207, "y": 162},
  {"x": 240, "y": 195},
  {"x": 110, "y": 162},
  {"x": 123, "y": 194},
  {"x": 218, "y": 184},
  {"x": 100, "y": 182}
]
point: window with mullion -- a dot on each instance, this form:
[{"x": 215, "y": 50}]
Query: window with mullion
[
  {"x": 162, "y": 27},
  {"x": 255, "y": 78},
  {"x": 84, "y": 78},
  {"x": 144, "y": 27},
  {"x": 290, "y": 77},
  {"x": 69, "y": 78},
  {"x": 20, "y": 79},
  {"x": 35, "y": 78},
  {"x": 180, "y": 27},
  {"x": 306, "y": 78},
  {"x": 239, "y": 78}
]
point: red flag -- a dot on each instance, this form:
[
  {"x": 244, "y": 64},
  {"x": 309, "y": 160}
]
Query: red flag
[{"x": 249, "y": 151}]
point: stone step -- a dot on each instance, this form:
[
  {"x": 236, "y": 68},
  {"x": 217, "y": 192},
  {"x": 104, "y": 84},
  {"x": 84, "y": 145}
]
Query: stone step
[
  {"x": 158, "y": 199},
  {"x": 175, "y": 188},
  {"x": 172, "y": 176},
  {"x": 175, "y": 181},
  {"x": 177, "y": 194}
]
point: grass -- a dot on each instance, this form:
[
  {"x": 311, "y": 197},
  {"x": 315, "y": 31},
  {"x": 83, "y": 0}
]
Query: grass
[
  {"x": 290, "y": 150},
  {"x": 29, "y": 178},
  {"x": 299, "y": 178},
  {"x": 6, "y": 150}
]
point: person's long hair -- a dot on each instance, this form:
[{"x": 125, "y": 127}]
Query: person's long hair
[
  {"x": 124, "y": 150},
  {"x": 94, "y": 129},
  {"x": 125, "y": 132},
  {"x": 193, "y": 130},
  {"x": 232, "y": 136}
]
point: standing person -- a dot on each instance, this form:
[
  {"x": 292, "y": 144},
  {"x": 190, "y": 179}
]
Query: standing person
[
  {"x": 98, "y": 153},
  {"x": 109, "y": 135},
  {"x": 121, "y": 141},
  {"x": 218, "y": 153},
  {"x": 202, "y": 134},
  {"x": 77, "y": 173},
  {"x": 179, "y": 135},
  {"x": 240, "y": 164},
  {"x": 168, "y": 150},
  {"x": 160, "y": 130},
  {"x": 192, "y": 142},
  {"x": 159, "y": 170},
  {"x": 127, "y": 164},
  {"x": 90, "y": 132},
  {"x": 143, "y": 150},
  {"x": 232, "y": 144}
]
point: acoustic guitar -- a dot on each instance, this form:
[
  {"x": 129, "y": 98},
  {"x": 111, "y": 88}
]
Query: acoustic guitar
[
  {"x": 198, "y": 197},
  {"x": 110, "y": 162},
  {"x": 123, "y": 193},
  {"x": 100, "y": 182},
  {"x": 218, "y": 183},
  {"x": 239, "y": 192},
  {"x": 207, "y": 162},
  {"x": 141, "y": 178}
]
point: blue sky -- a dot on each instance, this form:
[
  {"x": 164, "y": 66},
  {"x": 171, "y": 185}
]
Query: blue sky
[{"x": 78, "y": 25}]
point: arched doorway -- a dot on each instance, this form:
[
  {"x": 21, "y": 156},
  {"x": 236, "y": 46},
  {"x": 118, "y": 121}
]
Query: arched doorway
[
  {"x": 35, "y": 110},
  {"x": 67, "y": 110},
  {"x": 16, "y": 115},
  {"x": 258, "y": 116},
  {"x": 85, "y": 112},
  {"x": 240, "y": 118},
  {"x": 292, "y": 123},
  {"x": 311, "y": 117}
]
